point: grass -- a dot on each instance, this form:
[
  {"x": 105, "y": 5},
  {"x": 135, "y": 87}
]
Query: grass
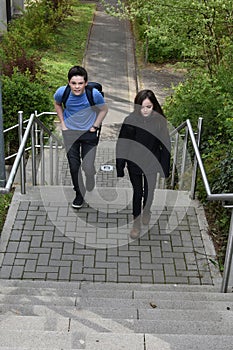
[
  {"x": 67, "y": 50},
  {"x": 5, "y": 201},
  {"x": 69, "y": 46}
]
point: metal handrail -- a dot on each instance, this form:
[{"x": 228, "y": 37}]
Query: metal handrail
[
  {"x": 19, "y": 159},
  {"x": 225, "y": 197}
]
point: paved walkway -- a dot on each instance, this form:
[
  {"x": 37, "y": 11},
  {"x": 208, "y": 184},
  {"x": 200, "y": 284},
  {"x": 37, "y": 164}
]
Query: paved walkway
[{"x": 44, "y": 238}]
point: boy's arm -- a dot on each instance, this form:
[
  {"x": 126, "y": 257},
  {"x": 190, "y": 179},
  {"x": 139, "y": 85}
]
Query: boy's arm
[
  {"x": 103, "y": 110},
  {"x": 59, "y": 110}
]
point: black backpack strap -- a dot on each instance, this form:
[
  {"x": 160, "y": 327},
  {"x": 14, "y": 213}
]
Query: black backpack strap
[
  {"x": 65, "y": 95},
  {"x": 89, "y": 93}
]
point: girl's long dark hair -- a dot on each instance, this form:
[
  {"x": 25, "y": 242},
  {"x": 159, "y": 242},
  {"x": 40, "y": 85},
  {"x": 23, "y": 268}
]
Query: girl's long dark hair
[{"x": 142, "y": 95}]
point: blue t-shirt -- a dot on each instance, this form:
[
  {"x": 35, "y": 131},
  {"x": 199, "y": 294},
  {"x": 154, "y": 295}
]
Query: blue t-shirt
[{"x": 78, "y": 114}]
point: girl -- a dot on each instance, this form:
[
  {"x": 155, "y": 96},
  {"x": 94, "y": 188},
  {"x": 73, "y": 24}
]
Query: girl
[{"x": 144, "y": 147}]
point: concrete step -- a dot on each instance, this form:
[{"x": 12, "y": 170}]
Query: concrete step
[
  {"x": 158, "y": 303},
  {"x": 36, "y": 339},
  {"x": 114, "y": 341},
  {"x": 60, "y": 315},
  {"x": 185, "y": 315},
  {"x": 119, "y": 303},
  {"x": 37, "y": 300},
  {"x": 67, "y": 311},
  {"x": 96, "y": 324},
  {"x": 187, "y": 342},
  {"x": 88, "y": 286},
  {"x": 39, "y": 323},
  {"x": 149, "y": 313},
  {"x": 40, "y": 291},
  {"x": 150, "y": 287},
  {"x": 69, "y": 296},
  {"x": 157, "y": 295},
  {"x": 181, "y": 327}
]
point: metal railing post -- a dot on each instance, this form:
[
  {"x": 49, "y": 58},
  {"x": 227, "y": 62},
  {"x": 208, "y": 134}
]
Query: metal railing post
[
  {"x": 194, "y": 174},
  {"x": 2, "y": 145},
  {"x": 174, "y": 161},
  {"x": 33, "y": 155},
  {"x": 36, "y": 133},
  {"x": 184, "y": 156},
  {"x": 228, "y": 257},
  {"x": 198, "y": 156},
  {"x": 22, "y": 162},
  {"x": 51, "y": 159},
  {"x": 56, "y": 163},
  {"x": 42, "y": 157}
]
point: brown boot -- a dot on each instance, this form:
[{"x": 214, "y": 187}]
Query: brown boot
[
  {"x": 135, "y": 231},
  {"x": 146, "y": 216}
]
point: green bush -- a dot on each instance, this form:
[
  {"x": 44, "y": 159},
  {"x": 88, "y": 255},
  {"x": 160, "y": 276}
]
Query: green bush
[
  {"x": 201, "y": 96},
  {"x": 210, "y": 98},
  {"x": 4, "y": 206},
  {"x": 27, "y": 31},
  {"x": 23, "y": 62},
  {"x": 35, "y": 28},
  {"x": 19, "y": 93},
  {"x": 224, "y": 182},
  {"x": 159, "y": 51},
  {"x": 41, "y": 18},
  {"x": 57, "y": 11}
]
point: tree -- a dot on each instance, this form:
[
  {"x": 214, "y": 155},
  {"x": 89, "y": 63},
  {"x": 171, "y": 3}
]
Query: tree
[{"x": 198, "y": 31}]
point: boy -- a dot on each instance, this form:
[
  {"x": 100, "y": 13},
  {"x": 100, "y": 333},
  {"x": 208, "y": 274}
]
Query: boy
[{"x": 79, "y": 124}]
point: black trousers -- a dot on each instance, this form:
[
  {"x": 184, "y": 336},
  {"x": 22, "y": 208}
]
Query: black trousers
[
  {"x": 81, "y": 152},
  {"x": 143, "y": 191}
]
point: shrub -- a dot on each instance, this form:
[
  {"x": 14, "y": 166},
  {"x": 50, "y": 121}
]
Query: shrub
[
  {"x": 23, "y": 63},
  {"x": 210, "y": 98},
  {"x": 224, "y": 182},
  {"x": 159, "y": 52},
  {"x": 19, "y": 93},
  {"x": 57, "y": 11},
  {"x": 35, "y": 28},
  {"x": 205, "y": 97},
  {"x": 30, "y": 33}
]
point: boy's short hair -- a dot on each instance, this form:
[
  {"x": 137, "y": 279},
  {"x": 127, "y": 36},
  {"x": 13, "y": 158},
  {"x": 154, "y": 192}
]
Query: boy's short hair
[{"x": 78, "y": 70}]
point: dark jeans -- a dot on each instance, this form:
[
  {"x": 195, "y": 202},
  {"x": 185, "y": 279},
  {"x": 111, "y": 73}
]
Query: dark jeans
[
  {"x": 143, "y": 192},
  {"x": 81, "y": 152}
]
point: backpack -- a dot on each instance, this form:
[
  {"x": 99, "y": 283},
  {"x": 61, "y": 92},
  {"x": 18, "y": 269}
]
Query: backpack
[{"x": 90, "y": 86}]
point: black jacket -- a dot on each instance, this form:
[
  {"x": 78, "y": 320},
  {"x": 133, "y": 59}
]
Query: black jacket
[{"x": 143, "y": 145}]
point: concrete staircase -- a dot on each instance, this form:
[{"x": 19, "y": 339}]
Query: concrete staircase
[{"x": 61, "y": 315}]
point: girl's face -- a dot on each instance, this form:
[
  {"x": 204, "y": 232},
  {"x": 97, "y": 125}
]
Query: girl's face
[{"x": 146, "y": 107}]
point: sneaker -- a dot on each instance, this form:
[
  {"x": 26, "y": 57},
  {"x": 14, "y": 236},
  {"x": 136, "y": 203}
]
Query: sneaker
[
  {"x": 90, "y": 182},
  {"x": 77, "y": 202}
]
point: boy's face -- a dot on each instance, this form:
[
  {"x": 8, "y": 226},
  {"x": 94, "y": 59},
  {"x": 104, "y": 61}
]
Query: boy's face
[{"x": 77, "y": 85}]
